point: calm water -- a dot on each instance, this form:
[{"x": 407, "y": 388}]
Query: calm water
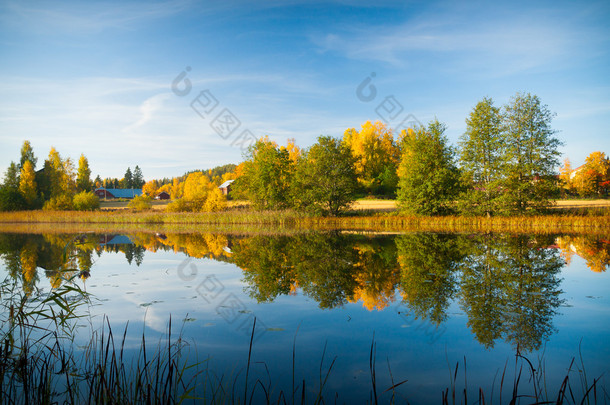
[{"x": 428, "y": 302}]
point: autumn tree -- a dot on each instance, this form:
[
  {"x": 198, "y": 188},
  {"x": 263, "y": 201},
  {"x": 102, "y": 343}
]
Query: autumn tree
[
  {"x": 594, "y": 177},
  {"x": 325, "y": 180},
  {"x": 530, "y": 155},
  {"x": 58, "y": 182},
  {"x": 150, "y": 188},
  {"x": 27, "y": 154},
  {"x": 83, "y": 176},
  {"x": 480, "y": 157},
  {"x": 27, "y": 183},
  {"x": 267, "y": 175},
  {"x": 428, "y": 178},
  {"x": 566, "y": 176},
  {"x": 376, "y": 155}
]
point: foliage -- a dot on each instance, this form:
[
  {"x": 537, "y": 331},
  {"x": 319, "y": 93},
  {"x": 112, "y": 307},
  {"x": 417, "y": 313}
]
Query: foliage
[
  {"x": 83, "y": 176},
  {"x": 137, "y": 180},
  {"x": 593, "y": 179},
  {"x": 325, "y": 180},
  {"x": 11, "y": 176},
  {"x": 428, "y": 178},
  {"x": 11, "y": 199},
  {"x": 27, "y": 184},
  {"x": 140, "y": 203},
  {"x": 60, "y": 203},
  {"x": 27, "y": 154},
  {"x": 215, "y": 201},
  {"x": 86, "y": 201},
  {"x": 376, "y": 157},
  {"x": 530, "y": 156},
  {"x": 178, "y": 205},
  {"x": 480, "y": 155},
  {"x": 267, "y": 175},
  {"x": 151, "y": 188}
]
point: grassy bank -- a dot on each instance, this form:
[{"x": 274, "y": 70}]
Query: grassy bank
[{"x": 588, "y": 220}]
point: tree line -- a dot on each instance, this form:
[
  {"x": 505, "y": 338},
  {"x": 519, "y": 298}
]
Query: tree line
[
  {"x": 58, "y": 185},
  {"x": 504, "y": 163}
]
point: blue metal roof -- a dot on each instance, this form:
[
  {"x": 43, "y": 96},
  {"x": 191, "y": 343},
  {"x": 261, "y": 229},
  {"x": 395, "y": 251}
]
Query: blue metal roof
[{"x": 123, "y": 192}]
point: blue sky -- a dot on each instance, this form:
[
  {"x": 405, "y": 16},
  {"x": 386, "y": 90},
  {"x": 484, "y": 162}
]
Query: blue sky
[{"x": 96, "y": 77}]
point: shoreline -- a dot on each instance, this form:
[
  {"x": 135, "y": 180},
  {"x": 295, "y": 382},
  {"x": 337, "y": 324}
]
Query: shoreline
[{"x": 585, "y": 220}]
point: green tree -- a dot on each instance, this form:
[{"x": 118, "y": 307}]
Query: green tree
[
  {"x": 530, "y": 155},
  {"x": 127, "y": 179},
  {"x": 480, "y": 156},
  {"x": 428, "y": 178},
  {"x": 27, "y": 183},
  {"x": 83, "y": 176},
  {"x": 137, "y": 178},
  {"x": 325, "y": 179},
  {"x": 86, "y": 201},
  {"x": 11, "y": 176},
  {"x": 11, "y": 199},
  {"x": 267, "y": 175},
  {"x": 27, "y": 153}
]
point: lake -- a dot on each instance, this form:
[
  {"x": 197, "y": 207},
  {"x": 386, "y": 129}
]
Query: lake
[{"x": 339, "y": 316}]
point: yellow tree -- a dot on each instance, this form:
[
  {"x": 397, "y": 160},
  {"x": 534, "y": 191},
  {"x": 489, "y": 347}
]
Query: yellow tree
[
  {"x": 599, "y": 164},
  {"x": 27, "y": 183},
  {"x": 377, "y": 156},
  {"x": 294, "y": 152},
  {"x": 151, "y": 188},
  {"x": 565, "y": 176}
]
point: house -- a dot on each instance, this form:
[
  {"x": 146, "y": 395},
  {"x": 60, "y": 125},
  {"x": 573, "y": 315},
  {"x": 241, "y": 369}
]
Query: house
[
  {"x": 163, "y": 195},
  {"x": 226, "y": 187},
  {"x": 574, "y": 172},
  {"x": 117, "y": 192}
]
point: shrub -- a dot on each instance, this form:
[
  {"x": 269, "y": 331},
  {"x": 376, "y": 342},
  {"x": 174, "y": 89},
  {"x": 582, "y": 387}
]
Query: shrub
[
  {"x": 11, "y": 199},
  {"x": 86, "y": 201},
  {"x": 216, "y": 201},
  {"x": 60, "y": 203},
  {"x": 179, "y": 205},
  {"x": 140, "y": 203}
]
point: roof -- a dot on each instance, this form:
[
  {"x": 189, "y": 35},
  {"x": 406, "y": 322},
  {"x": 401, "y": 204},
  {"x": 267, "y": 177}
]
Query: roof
[
  {"x": 226, "y": 184},
  {"x": 122, "y": 192}
]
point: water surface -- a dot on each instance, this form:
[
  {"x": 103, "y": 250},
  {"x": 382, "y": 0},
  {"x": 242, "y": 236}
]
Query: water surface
[{"x": 423, "y": 301}]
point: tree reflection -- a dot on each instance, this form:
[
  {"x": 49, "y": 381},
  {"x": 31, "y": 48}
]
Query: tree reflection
[
  {"x": 595, "y": 251},
  {"x": 507, "y": 285},
  {"x": 332, "y": 268},
  {"x": 428, "y": 280},
  {"x": 510, "y": 289}
]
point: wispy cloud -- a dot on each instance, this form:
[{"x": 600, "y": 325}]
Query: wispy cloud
[
  {"x": 506, "y": 45},
  {"x": 85, "y": 17}
]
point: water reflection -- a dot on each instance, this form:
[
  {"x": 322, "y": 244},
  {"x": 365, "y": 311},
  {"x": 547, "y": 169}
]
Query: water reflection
[{"x": 507, "y": 285}]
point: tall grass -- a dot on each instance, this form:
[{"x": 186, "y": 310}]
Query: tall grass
[{"x": 569, "y": 220}]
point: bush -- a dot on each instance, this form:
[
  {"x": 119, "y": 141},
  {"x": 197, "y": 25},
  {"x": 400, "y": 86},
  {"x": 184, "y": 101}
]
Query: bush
[
  {"x": 86, "y": 201},
  {"x": 140, "y": 203},
  {"x": 179, "y": 205},
  {"x": 11, "y": 200},
  {"x": 61, "y": 203},
  {"x": 216, "y": 201}
]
